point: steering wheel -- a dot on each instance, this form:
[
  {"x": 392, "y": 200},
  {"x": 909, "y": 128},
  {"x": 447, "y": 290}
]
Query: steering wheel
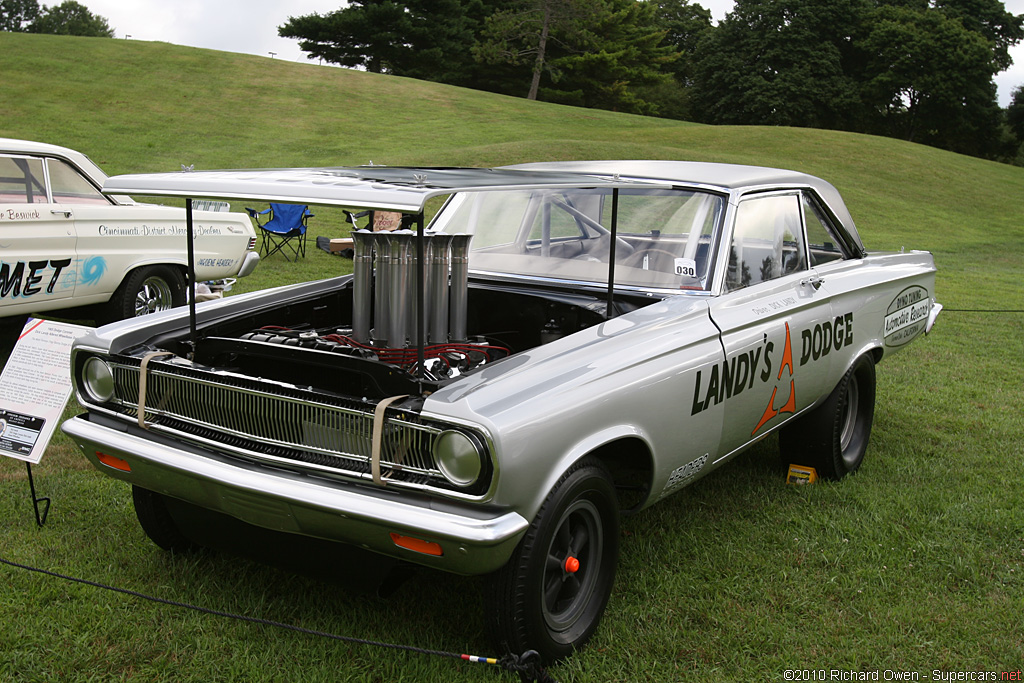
[
  {"x": 595, "y": 226},
  {"x": 636, "y": 259}
]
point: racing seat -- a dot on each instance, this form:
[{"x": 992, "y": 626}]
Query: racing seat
[{"x": 285, "y": 231}]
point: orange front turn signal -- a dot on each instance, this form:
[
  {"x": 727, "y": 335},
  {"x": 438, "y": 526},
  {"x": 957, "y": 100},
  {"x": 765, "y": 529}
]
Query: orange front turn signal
[
  {"x": 417, "y": 545},
  {"x": 111, "y": 461}
]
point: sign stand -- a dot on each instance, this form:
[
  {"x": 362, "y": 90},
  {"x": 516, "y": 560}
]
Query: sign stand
[
  {"x": 34, "y": 388},
  {"x": 40, "y": 518}
]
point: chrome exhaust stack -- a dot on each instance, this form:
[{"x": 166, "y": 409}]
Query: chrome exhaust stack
[
  {"x": 438, "y": 263},
  {"x": 385, "y": 295},
  {"x": 459, "y": 287},
  {"x": 382, "y": 284},
  {"x": 362, "y": 285},
  {"x": 398, "y": 289}
]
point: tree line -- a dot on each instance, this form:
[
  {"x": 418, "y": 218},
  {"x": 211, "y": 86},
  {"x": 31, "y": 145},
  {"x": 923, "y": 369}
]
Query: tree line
[
  {"x": 69, "y": 18},
  {"x": 919, "y": 70}
]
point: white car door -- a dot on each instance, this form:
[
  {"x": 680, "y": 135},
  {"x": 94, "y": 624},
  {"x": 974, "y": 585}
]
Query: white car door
[
  {"x": 37, "y": 240},
  {"x": 100, "y": 264}
]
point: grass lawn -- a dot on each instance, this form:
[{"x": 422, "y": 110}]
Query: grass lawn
[{"x": 916, "y": 563}]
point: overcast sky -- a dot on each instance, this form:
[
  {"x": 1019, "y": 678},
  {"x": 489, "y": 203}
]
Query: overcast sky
[{"x": 251, "y": 26}]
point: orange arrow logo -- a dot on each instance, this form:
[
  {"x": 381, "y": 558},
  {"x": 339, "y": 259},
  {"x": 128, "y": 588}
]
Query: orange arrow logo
[{"x": 770, "y": 410}]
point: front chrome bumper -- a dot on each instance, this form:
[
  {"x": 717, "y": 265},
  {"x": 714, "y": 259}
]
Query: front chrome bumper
[{"x": 473, "y": 540}]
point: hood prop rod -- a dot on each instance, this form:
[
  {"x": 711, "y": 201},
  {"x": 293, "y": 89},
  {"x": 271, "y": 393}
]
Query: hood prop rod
[
  {"x": 193, "y": 335},
  {"x": 611, "y": 254},
  {"x": 421, "y": 301}
]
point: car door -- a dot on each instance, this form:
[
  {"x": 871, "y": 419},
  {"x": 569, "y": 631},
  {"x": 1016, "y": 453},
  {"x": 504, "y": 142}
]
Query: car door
[
  {"x": 104, "y": 242},
  {"x": 37, "y": 239},
  {"x": 771, "y": 312}
]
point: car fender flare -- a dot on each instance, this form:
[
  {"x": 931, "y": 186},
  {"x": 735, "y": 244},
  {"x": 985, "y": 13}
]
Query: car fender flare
[
  {"x": 871, "y": 348},
  {"x": 168, "y": 261},
  {"x": 590, "y": 444}
]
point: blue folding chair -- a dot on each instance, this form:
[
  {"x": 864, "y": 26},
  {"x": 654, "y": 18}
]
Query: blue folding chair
[{"x": 285, "y": 231}]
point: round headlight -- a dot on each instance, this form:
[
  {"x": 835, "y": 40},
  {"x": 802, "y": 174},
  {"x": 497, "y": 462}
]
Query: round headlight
[
  {"x": 458, "y": 457},
  {"x": 97, "y": 380}
]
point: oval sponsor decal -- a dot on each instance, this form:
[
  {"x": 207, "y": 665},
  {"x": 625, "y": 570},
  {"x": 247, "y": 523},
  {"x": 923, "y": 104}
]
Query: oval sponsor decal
[{"x": 907, "y": 315}]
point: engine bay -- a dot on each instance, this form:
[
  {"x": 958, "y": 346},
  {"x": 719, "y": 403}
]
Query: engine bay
[
  {"x": 441, "y": 361},
  {"x": 361, "y": 337},
  {"x": 311, "y": 344}
]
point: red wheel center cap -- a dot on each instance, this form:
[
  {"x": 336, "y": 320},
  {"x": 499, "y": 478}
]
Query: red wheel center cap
[{"x": 572, "y": 565}]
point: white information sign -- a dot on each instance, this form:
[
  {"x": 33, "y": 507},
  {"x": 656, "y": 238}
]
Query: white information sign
[{"x": 35, "y": 387}]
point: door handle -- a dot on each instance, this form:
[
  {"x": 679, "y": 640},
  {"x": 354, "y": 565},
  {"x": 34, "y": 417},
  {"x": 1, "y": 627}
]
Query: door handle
[
  {"x": 65, "y": 212},
  {"x": 813, "y": 281}
]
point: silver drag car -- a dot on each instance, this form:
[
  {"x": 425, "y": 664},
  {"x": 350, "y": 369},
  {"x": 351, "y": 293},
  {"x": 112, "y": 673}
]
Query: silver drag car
[{"x": 489, "y": 393}]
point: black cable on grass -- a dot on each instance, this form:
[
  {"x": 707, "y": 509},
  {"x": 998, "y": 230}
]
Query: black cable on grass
[
  {"x": 982, "y": 310},
  {"x": 527, "y": 665}
]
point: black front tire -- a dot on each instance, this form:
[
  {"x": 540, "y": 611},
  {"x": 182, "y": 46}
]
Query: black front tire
[
  {"x": 833, "y": 437},
  {"x": 156, "y": 520},
  {"x": 146, "y": 290},
  {"x": 542, "y": 600}
]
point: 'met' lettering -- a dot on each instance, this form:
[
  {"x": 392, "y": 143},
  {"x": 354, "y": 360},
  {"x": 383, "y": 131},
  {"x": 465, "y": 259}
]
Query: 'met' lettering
[{"x": 14, "y": 283}]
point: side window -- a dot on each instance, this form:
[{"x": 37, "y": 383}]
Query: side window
[
  {"x": 767, "y": 241},
  {"x": 820, "y": 242},
  {"x": 68, "y": 186},
  {"x": 21, "y": 181}
]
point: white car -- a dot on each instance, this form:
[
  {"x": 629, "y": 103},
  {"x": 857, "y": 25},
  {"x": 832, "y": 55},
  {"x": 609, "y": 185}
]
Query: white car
[{"x": 64, "y": 244}]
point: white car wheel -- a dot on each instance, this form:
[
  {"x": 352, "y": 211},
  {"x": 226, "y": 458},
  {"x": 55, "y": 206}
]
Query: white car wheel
[{"x": 146, "y": 290}]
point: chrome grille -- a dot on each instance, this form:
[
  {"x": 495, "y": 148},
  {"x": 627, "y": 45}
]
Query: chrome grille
[{"x": 301, "y": 431}]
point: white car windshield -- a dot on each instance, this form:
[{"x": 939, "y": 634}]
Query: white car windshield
[{"x": 663, "y": 237}]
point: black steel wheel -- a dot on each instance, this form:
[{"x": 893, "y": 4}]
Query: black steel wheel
[
  {"x": 552, "y": 593},
  {"x": 833, "y": 437},
  {"x": 156, "y": 520}
]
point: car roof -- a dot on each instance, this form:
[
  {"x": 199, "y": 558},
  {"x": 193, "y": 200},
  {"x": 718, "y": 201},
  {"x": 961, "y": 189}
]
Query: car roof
[
  {"x": 725, "y": 176},
  {"x": 39, "y": 148},
  {"x": 84, "y": 163}
]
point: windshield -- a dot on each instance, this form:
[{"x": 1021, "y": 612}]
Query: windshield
[{"x": 663, "y": 237}]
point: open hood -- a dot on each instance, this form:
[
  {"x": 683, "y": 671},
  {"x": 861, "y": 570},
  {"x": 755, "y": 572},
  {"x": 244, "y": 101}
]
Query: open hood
[{"x": 367, "y": 187}]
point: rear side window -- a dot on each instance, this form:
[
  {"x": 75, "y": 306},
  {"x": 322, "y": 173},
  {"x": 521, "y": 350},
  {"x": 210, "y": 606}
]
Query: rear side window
[
  {"x": 22, "y": 181},
  {"x": 823, "y": 246},
  {"x": 68, "y": 186}
]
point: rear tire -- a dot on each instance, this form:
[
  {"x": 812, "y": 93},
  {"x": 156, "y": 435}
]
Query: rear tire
[
  {"x": 156, "y": 520},
  {"x": 833, "y": 437},
  {"x": 146, "y": 290},
  {"x": 552, "y": 593}
]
